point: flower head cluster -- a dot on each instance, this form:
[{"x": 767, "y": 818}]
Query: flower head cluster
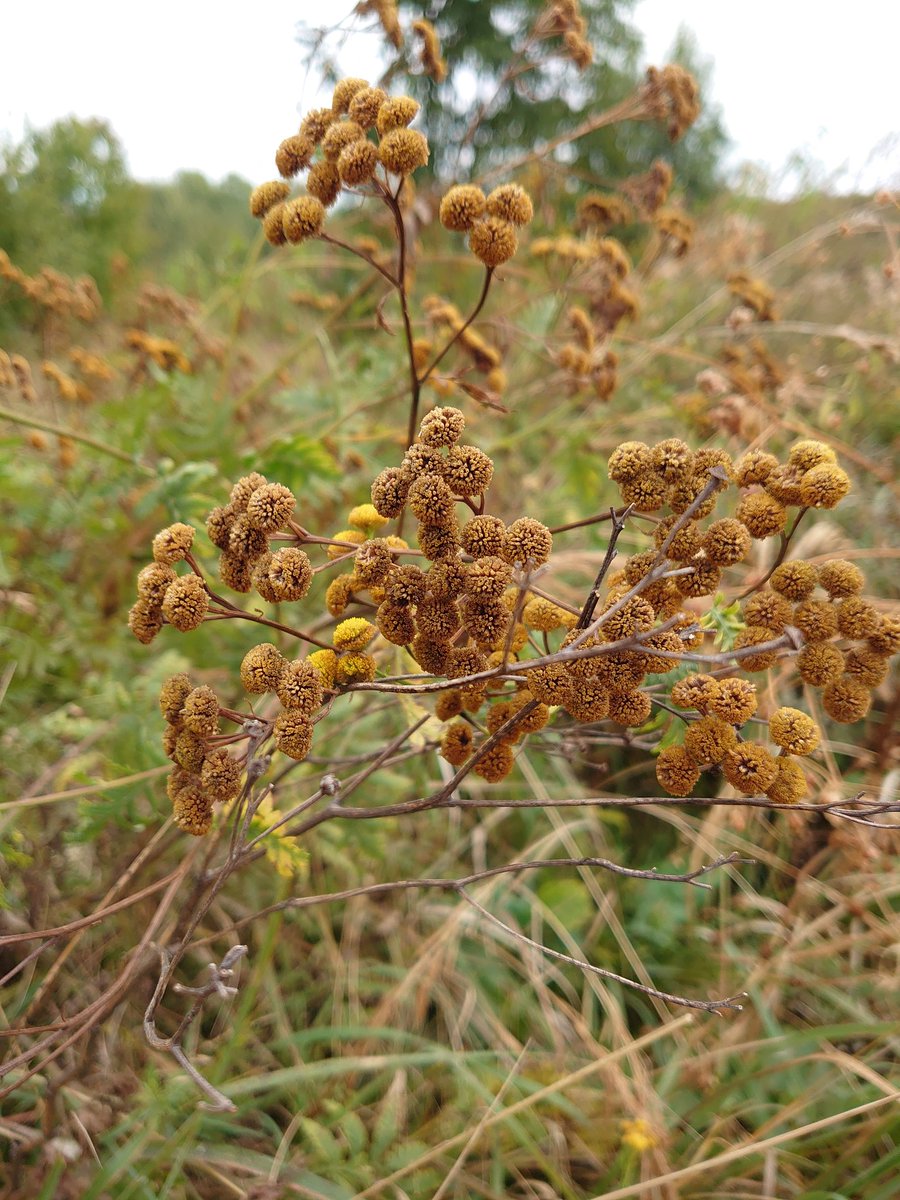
[
  {"x": 203, "y": 774},
  {"x": 490, "y": 221}
]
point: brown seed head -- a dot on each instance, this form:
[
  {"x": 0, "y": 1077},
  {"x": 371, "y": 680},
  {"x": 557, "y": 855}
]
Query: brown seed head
[
  {"x": 299, "y": 687},
  {"x": 219, "y": 523},
  {"x": 495, "y": 764},
  {"x": 446, "y": 580},
  {"x": 152, "y": 582},
  {"x": 396, "y": 113},
  {"x": 389, "y": 491},
  {"x": 315, "y": 123},
  {"x": 856, "y": 618},
  {"x": 432, "y": 654},
  {"x": 324, "y": 182},
  {"x": 750, "y": 768},
  {"x": 629, "y": 708},
  {"x": 754, "y": 467},
  {"x": 527, "y": 542},
  {"x": 673, "y": 459},
  {"x": 293, "y": 155},
  {"x": 192, "y": 809},
  {"x": 696, "y": 691},
  {"x": 727, "y": 542},
  {"x": 840, "y": 578},
  {"x": 438, "y": 541},
  {"x": 886, "y": 638},
  {"x": 395, "y": 623},
  {"x": 793, "y": 731},
  {"x": 267, "y": 195},
  {"x": 200, "y": 712},
  {"x": 431, "y": 500},
  {"x": 734, "y": 701},
  {"x": 867, "y": 665},
  {"x": 344, "y": 92},
  {"x": 763, "y": 515},
  {"x": 493, "y": 241},
  {"x": 807, "y": 454},
  {"x": 824, "y": 487},
  {"x": 270, "y": 507},
  {"x": 406, "y": 585},
  {"x": 185, "y": 603},
  {"x": 768, "y": 608},
  {"x": 357, "y": 162},
  {"x": 457, "y": 743},
  {"x": 290, "y": 573},
  {"x": 755, "y": 635},
  {"x": 587, "y": 700},
  {"x": 243, "y": 490},
  {"x": 484, "y": 536},
  {"x": 246, "y": 541},
  {"x": 365, "y": 105},
  {"x": 702, "y": 581},
  {"x": 816, "y": 620},
  {"x": 220, "y": 776},
  {"x": 820, "y": 663},
  {"x": 403, "y": 151},
  {"x": 302, "y": 218},
  {"x": 235, "y": 571},
  {"x": 847, "y": 700},
  {"x": 172, "y": 543},
  {"x": 293, "y": 734},
  {"x": 486, "y": 622},
  {"x": 676, "y": 771},
  {"x": 709, "y": 739},
  {"x": 789, "y": 786},
  {"x": 488, "y": 578},
  {"x": 511, "y": 203},
  {"x": 795, "y": 580},
  {"x": 442, "y": 427},
  {"x": 172, "y": 696},
  {"x": 261, "y": 669},
  {"x": 461, "y": 207}
]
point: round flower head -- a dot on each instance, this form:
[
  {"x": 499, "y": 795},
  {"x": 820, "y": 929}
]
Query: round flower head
[
  {"x": 324, "y": 182},
  {"x": 145, "y": 621},
  {"x": 353, "y": 634},
  {"x": 527, "y": 542},
  {"x": 438, "y": 541},
  {"x": 629, "y": 708},
  {"x": 847, "y": 700},
  {"x": 551, "y": 684},
  {"x": 220, "y": 776},
  {"x": 366, "y": 517},
  {"x": 820, "y": 663},
  {"x": 300, "y": 687},
  {"x": 493, "y": 241},
  {"x": 784, "y": 484},
  {"x": 153, "y": 580},
  {"x": 432, "y": 654},
  {"x": 696, "y": 691},
  {"x": 373, "y": 562},
  {"x": 324, "y": 662},
  {"x": 448, "y": 705},
  {"x": 235, "y": 572},
  {"x": 267, "y": 195},
  {"x": 734, "y": 701},
  {"x": 789, "y": 785},
  {"x": 486, "y": 621},
  {"x": 483, "y": 536},
  {"x": 315, "y": 123},
  {"x": 190, "y": 749},
  {"x": 302, "y": 218},
  {"x": 702, "y": 581},
  {"x": 365, "y": 105},
  {"x": 437, "y": 619},
  {"x": 355, "y": 537},
  {"x": 357, "y": 162},
  {"x": 219, "y": 523},
  {"x": 511, "y": 203},
  {"x": 420, "y": 459},
  {"x": 442, "y": 427},
  {"x": 172, "y": 696},
  {"x": 495, "y": 764},
  {"x": 270, "y": 507},
  {"x": 403, "y": 151},
  {"x": 824, "y": 487},
  {"x": 816, "y": 620},
  {"x": 338, "y": 136},
  {"x": 709, "y": 739},
  {"x": 344, "y": 91},
  {"x": 676, "y": 771},
  {"x": 244, "y": 489},
  {"x": 709, "y": 457},
  {"x": 293, "y": 156},
  {"x": 658, "y": 664},
  {"x": 488, "y": 578},
  {"x": 750, "y": 768},
  {"x": 468, "y": 470},
  {"x": 754, "y": 467},
  {"x": 793, "y": 731},
  {"x": 794, "y": 580},
  {"x": 339, "y": 593},
  {"x": 545, "y": 616},
  {"x": 185, "y": 603},
  {"x": 768, "y": 608},
  {"x": 685, "y": 494},
  {"x": 192, "y": 810},
  {"x": 856, "y": 618},
  {"x": 246, "y": 540},
  {"x": 389, "y": 492},
  {"x": 290, "y": 573},
  {"x": 886, "y": 638},
  {"x": 355, "y": 668},
  {"x": 646, "y": 492},
  {"x": 621, "y": 671},
  {"x": 807, "y": 454},
  {"x": 457, "y": 743},
  {"x": 261, "y": 669},
  {"x": 840, "y": 578},
  {"x": 446, "y": 580},
  {"x": 461, "y": 207},
  {"x": 628, "y": 461},
  {"x": 756, "y": 635},
  {"x": 272, "y": 226},
  {"x": 200, "y": 712},
  {"x": 396, "y": 113},
  {"x": 587, "y": 700},
  {"x": 431, "y": 500},
  {"x": 869, "y": 667},
  {"x": 293, "y": 734},
  {"x": 395, "y": 623},
  {"x": 673, "y": 459},
  {"x": 406, "y": 585},
  {"x": 727, "y": 542},
  {"x": 635, "y": 616},
  {"x": 172, "y": 543},
  {"x": 763, "y": 515},
  {"x": 684, "y": 545}
]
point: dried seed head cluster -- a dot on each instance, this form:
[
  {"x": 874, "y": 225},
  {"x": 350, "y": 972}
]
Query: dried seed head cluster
[{"x": 490, "y": 221}]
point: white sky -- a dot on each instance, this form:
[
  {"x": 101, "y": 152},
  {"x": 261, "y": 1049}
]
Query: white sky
[{"x": 195, "y": 85}]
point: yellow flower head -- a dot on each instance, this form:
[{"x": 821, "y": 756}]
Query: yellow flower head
[
  {"x": 353, "y": 634},
  {"x": 366, "y": 517},
  {"x": 638, "y": 1135}
]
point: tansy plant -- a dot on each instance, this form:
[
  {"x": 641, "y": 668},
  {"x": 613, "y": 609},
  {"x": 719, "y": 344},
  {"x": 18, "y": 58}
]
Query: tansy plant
[{"x": 428, "y": 595}]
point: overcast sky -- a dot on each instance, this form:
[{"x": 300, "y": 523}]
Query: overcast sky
[{"x": 215, "y": 86}]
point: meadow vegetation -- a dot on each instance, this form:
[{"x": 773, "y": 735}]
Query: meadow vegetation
[{"x": 447, "y": 624}]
